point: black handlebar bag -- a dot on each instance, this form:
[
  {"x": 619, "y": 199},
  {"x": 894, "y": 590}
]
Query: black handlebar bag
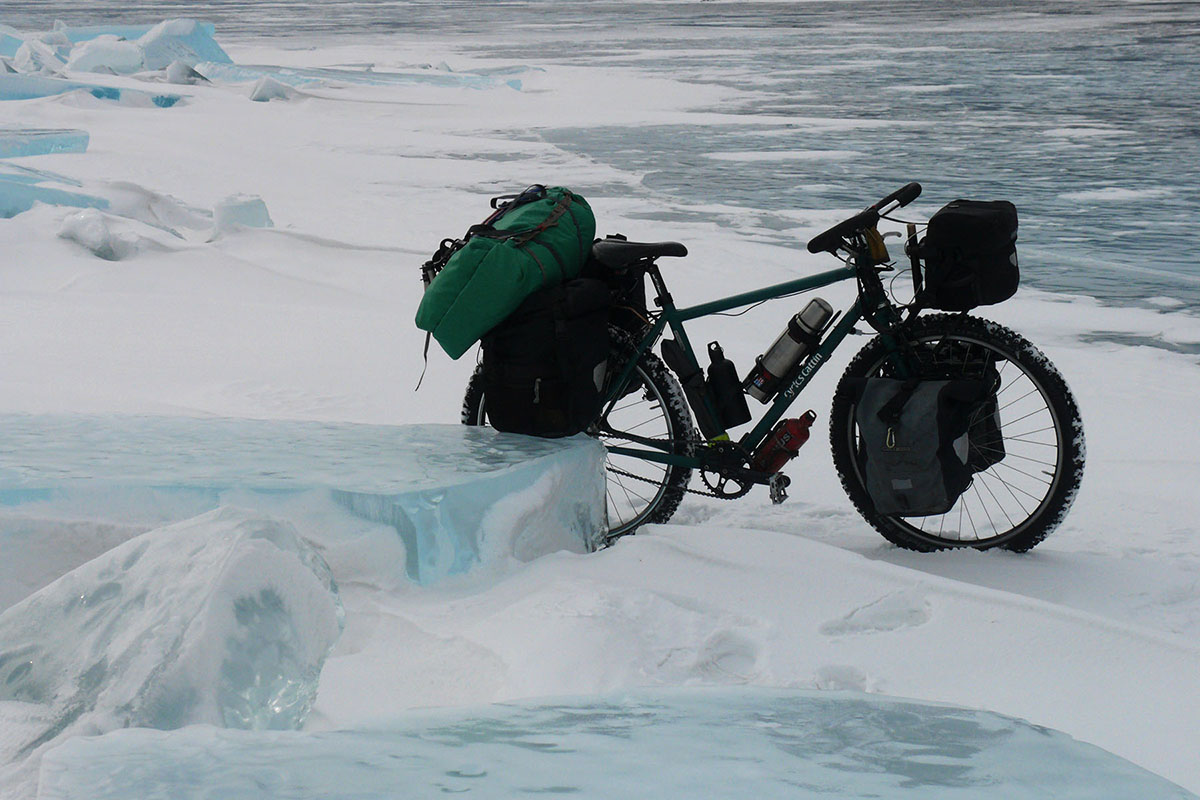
[{"x": 970, "y": 255}]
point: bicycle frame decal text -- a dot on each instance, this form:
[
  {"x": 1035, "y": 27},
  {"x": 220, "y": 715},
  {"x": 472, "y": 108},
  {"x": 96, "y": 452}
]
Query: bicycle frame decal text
[{"x": 810, "y": 366}]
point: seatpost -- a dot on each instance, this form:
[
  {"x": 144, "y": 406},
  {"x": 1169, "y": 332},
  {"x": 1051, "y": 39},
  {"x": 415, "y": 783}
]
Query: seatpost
[{"x": 662, "y": 298}]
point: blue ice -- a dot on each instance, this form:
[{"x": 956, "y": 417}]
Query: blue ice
[
  {"x": 10, "y": 41},
  {"x": 20, "y": 188},
  {"x": 183, "y": 40},
  {"x": 27, "y": 87},
  {"x": 171, "y": 40},
  {"x": 740, "y": 743},
  {"x": 457, "y": 497},
  {"x": 15, "y": 142},
  {"x": 224, "y": 619},
  {"x": 84, "y": 33}
]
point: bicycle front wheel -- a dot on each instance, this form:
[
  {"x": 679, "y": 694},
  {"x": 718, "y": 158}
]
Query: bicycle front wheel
[
  {"x": 651, "y": 412},
  {"x": 1013, "y": 503}
]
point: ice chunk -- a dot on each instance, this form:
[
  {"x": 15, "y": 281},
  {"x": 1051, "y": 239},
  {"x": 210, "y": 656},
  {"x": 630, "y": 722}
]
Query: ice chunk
[
  {"x": 39, "y": 141},
  {"x": 106, "y": 53},
  {"x": 10, "y": 41},
  {"x": 268, "y": 88},
  {"x": 37, "y": 57},
  {"x": 240, "y": 211},
  {"x": 458, "y": 497},
  {"x": 19, "y": 190},
  {"x": 90, "y": 228},
  {"x": 223, "y": 619},
  {"x": 183, "y": 40},
  {"x": 26, "y": 87},
  {"x": 683, "y": 743},
  {"x": 179, "y": 72},
  {"x": 85, "y": 33}
]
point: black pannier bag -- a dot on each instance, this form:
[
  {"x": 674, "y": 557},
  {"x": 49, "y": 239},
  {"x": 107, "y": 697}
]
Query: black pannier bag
[
  {"x": 970, "y": 255},
  {"x": 914, "y": 442},
  {"x": 544, "y": 365}
]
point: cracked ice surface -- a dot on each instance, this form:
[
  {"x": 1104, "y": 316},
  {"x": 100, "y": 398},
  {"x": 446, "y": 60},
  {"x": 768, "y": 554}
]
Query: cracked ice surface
[
  {"x": 681, "y": 743},
  {"x": 224, "y": 619},
  {"x": 456, "y": 496}
]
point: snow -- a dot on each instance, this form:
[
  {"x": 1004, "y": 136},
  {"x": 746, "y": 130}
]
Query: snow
[
  {"x": 1093, "y": 634},
  {"x": 1115, "y": 194},
  {"x": 267, "y": 88},
  {"x": 91, "y": 229},
  {"x": 683, "y": 743}
]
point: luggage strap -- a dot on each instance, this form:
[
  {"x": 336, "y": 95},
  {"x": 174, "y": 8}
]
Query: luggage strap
[
  {"x": 503, "y": 204},
  {"x": 488, "y": 230}
]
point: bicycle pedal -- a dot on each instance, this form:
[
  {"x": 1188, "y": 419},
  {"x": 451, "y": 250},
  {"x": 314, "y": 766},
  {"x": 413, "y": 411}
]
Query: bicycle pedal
[{"x": 778, "y": 486}]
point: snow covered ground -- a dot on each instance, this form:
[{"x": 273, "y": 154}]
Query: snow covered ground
[{"x": 147, "y": 303}]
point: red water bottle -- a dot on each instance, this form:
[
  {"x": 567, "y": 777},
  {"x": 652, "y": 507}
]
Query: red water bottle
[{"x": 783, "y": 444}]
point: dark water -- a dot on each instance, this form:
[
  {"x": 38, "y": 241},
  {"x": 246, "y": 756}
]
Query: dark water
[{"x": 1085, "y": 114}]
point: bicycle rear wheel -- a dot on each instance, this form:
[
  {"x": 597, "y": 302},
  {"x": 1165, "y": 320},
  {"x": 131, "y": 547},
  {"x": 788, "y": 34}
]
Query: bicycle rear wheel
[
  {"x": 653, "y": 412},
  {"x": 1013, "y": 503}
]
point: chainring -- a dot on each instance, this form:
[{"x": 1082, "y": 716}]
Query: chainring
[{"x": 720, "y": 479}]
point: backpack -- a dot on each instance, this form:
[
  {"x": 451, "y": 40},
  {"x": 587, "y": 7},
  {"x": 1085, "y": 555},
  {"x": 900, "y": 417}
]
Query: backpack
[
  {"x": 914, "y": 442},
  {"x": 544, "y": 367},
  {"x": 970, "y": 255},
  {"x": 534, "y": 239}
]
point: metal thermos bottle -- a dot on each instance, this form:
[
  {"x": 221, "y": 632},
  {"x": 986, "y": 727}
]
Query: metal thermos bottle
[{"x": 787, "y": 351}]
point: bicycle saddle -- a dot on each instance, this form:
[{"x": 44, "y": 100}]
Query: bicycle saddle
[{"x": 618, "y": 253}]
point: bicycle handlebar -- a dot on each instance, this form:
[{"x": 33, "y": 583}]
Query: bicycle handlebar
[{"x": 831, "y": 239}]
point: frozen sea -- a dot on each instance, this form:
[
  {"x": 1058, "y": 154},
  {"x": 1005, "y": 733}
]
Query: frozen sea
[
  {"x": 1082, "y": 113},
  {"x": 738, "y": 128}
]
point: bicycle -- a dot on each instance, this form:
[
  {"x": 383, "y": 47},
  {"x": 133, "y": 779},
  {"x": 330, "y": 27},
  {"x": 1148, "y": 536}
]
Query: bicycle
[{"x": 653, "y": 447}]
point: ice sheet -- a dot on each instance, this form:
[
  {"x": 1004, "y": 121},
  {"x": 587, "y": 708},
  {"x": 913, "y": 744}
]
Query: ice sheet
[
  {"x": 21, "y": 187},
  {"x": 27, "y": 87},
  {"x": 300, "y": 76},
  {"x": 223, "y": 619},
  {"x": 15, "y": 142},
  {"x": 712, "y": 744},
  {"x": 458, "y": 497}
]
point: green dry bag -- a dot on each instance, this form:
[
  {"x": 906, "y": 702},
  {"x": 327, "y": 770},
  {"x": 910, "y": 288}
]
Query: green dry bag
[{"x": 538, "y": 238}]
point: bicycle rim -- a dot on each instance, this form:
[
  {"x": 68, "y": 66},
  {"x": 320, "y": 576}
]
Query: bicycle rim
[
  {"x": 1006, "y": 497},
  {"x": 636, "y": 487}
]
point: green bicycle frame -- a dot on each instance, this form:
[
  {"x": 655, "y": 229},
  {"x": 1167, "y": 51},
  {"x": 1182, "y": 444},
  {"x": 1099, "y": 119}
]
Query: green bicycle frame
[{"x": 673, "y": 318}]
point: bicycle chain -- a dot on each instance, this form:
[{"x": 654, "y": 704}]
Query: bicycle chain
[{"x": 686, "y": 489}]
